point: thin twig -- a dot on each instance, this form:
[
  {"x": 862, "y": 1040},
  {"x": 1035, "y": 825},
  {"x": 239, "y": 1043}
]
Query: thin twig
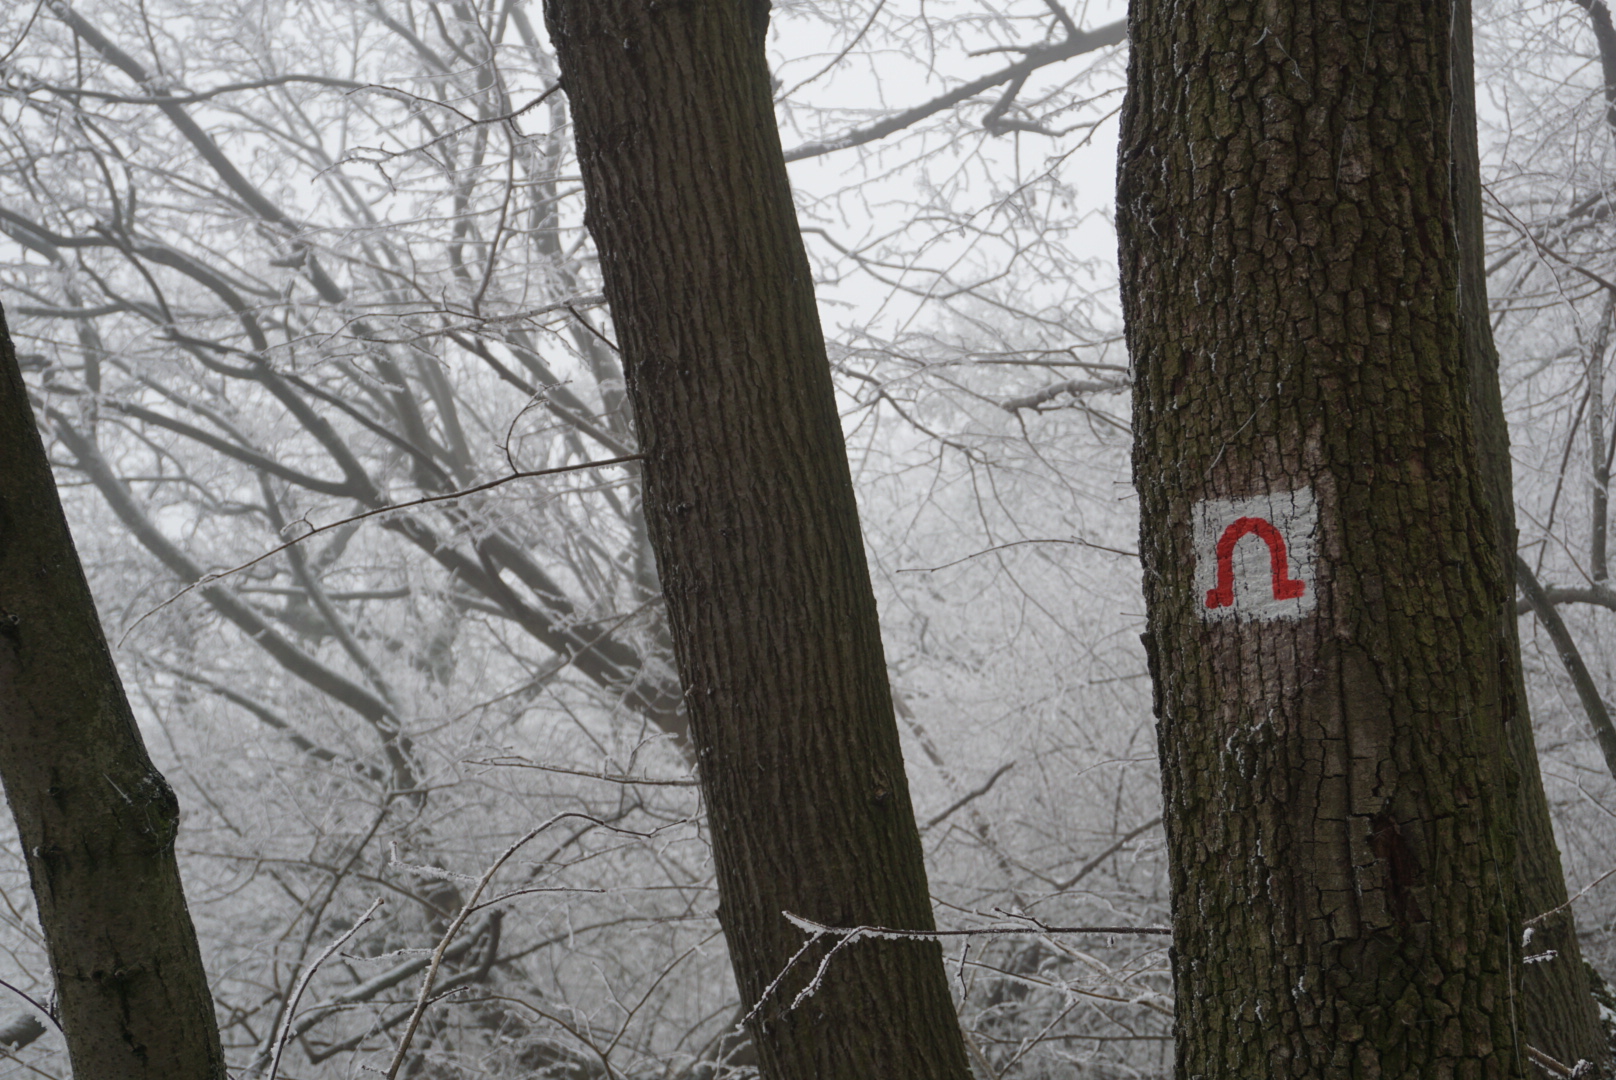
[
  {"x": 307, "y": 976},
  {"x": 1011, "y": 544},
  {"x": 1073, "y": 45},
  {"x": 316, "y": 530},
  {"x": 1584, "y": 891},
  {"x": 851, "y": 934},
  {"x": 611, "y": 778},
  {"x": 1546, "y": 252},
  {"x": 768, "y": 991},
  {"x": 424, "y": 997},
  {"x": 49, "y": 1015},
  {"x": 980, "y": 931},
  {"x": 1093, "y": 863}
]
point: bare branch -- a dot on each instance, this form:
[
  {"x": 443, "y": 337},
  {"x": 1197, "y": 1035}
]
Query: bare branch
[
  {"x": 611, "y": 778},
  {"x": 204, "y": 95},
  {"x": 969, "y": 797},
  {"x": 426, "y": 500},
  {"x": 1571, "y": 657},
  {"x": 303, "y": 984},
  {"x": 1605, "y": 38},
  {"x": 1050, "y": 393},
  {"x": 422, "y": 998},
  {"x": 1075, "y": 45},
  {"x": 1094, "y": 863}
]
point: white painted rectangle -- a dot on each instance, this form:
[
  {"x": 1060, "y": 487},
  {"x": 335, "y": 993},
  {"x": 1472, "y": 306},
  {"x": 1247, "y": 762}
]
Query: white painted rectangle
[{"x": 1255, "y": 557}]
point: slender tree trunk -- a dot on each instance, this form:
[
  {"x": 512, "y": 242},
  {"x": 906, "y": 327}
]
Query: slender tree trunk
[
  {"x": 1557, "y": 1007},
  {"x": 95, "y": 818},
  {"x": 1339, "y": 810},
  {"x": 750, "y": 507}
]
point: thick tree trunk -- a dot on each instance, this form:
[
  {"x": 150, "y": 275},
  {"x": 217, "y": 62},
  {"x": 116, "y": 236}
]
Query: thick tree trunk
[
  {"x": 750, "y": 507},
  {"x": 1339, "y": 809},
  {"x": 95, "y": 818},
  {"x": 1557, "y": 1006}
]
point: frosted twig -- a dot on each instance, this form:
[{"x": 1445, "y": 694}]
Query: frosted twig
[
  {"x": 850, "y": 934},
  {"x": 965, "y": 800},
  {"x": 517, "y": 762},
  {"x": 1016, "y": 543},
  {"x": 894, "y": 934},
  {"x": 1073, "y": 387},
  {"x": 1095, "y": 862},
  {"x": 315, "y": 530},
  {"x": 1584, "y": 891},
  {"x": 768, "y": 991},
  {"x": 330, "y": 950},
  {"x": 819, "y": 974},
  {"x": 424, "y": 997},
  {"x": 425, "y": 871}
]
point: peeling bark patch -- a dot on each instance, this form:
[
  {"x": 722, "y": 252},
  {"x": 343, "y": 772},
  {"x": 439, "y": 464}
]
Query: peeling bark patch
[{"x": 1254, "y": 557}]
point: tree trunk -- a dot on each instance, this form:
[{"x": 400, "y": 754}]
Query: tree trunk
[
  {"x": 95, "y": 818},
  {"x": 1557, "y": 1005},
  {"x": 1329, "y": 690},
  {"x": 750, "y": 507}
]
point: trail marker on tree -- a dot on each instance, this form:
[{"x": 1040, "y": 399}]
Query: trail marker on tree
[{"x": 1254, "y": 557}]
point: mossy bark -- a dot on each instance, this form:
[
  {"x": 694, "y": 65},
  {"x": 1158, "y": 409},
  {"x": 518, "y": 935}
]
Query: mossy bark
[
  {"x": 95, "y": 818},
  {"x": 750, "y": 508},
  {"x": 1340, "y": 805}
]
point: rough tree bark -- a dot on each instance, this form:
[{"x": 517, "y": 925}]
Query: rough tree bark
[
  {"x": 95, "y": 818},
  {"x": 1340, "y": 811},
  {"x": 751, "y": 512}
]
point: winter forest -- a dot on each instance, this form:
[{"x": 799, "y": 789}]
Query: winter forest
[{"x": 318, "y": 271}]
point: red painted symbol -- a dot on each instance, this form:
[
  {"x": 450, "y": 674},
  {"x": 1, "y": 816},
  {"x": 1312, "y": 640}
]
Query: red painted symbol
[{"x": 1285, "y": 586}]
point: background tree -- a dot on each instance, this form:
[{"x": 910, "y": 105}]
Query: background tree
[
  {"x": 95, "y": 818},
  {"x": 1561, "y": 1017},
  {"x": 1545, "y": 95}
]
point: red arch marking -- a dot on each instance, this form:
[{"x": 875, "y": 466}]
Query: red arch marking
[{"x": 1285, "y": 586}]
